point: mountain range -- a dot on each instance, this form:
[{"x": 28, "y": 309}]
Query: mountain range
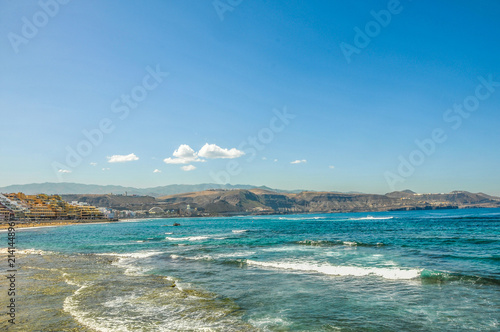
[
  {"x": 64, "y": 188},
  {"x": 213, "y": 199},
  {"x": 263, "y": 201}
]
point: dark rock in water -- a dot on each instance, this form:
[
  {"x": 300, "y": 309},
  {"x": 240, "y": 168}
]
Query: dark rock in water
[{"x": 176, "y": 224}]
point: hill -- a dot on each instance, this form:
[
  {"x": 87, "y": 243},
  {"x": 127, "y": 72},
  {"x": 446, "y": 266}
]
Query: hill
[
  {"x": 267, "y": 201},
  {"x": 65, "y": 188},
  {"x": 214, "y": 199}
]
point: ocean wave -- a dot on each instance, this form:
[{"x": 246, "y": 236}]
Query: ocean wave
[
  {"x": 301, "y": 218},
  {"x": 266, "y": 322},
  {"x": 187, "y": 238},
  {"x": 150, "y": 304},
  {"x": 487, "y": 217},
  {"x": 194, "y": 258},
  {"x": 195, "y": 238},
  {"x": 70, "y": 305},
  {"x": 128, "y": 261},
  {"x": 327, "y": 243},
  {"x": 336, "y": 270},
  {"x": 237, "y": 231},
  {"x": 140, "y": 254},
  {"x": 214, "y": 257},
  {"x": 429, "y": 276},
  {"x": 371, "y": 218}
]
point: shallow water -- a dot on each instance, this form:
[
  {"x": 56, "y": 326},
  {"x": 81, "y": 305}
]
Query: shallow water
[{"x": 423, "y": 270}]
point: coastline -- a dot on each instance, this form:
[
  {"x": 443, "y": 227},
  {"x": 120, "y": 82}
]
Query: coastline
[
  {"x": 53, "y": 223},
  {"x": 57, "y": 223}
]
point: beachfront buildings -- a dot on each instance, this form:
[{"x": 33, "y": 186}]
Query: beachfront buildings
[{"x": 18, "y": 206}]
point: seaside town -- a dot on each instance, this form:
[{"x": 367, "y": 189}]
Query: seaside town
[
  {"x": 21, "y": 207},
  {"x": 32, "y": 210}
]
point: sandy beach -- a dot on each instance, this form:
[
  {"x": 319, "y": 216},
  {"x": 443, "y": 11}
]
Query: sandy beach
[{"x": 51, "y": 223}]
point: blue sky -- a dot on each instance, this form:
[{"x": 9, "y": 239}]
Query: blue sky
[{"x": 321, "y": 95}]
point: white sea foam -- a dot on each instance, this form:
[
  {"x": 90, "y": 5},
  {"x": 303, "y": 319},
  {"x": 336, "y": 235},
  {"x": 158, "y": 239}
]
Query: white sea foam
[
  {"x": 266, "y": 322},
  {"x": 131, "y": 269},
  {"x": 68, "y": 280},
  {"x": 140, "y": 254},
  {"x": 387, "y": 273},
  {"x": 193, "y": 238},
  {"x": 235, "y": 254},
  {"x": 188, "y": 238},
  {"x": 288, "y": 248},
  {"x": 214, "y": 256},
  {"x": 195, "y": 258},
  {"x": 371, "y": 218},
  {"x": 27, "y": 251},
  {"x": 301, "y": 218},
  {"x": 132, "y": 310},
  {"x": 70, "y": 305},
  {"x": 240, "y": 231},
  {"x": 128, "y": 261}
]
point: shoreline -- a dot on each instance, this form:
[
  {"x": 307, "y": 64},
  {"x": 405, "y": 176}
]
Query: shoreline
[
  {"x": 52, "y": 223},
  {"x": 56, "y": 223}
]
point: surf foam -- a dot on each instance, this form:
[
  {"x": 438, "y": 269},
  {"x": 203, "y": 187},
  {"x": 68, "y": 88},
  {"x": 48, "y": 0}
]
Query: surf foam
[{"x": 336, "y": 270}]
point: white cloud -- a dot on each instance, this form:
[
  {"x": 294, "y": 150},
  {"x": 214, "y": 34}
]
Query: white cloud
[
  {"x": 93, "y": 164},
  {"x": 183, "y": 155},
  {"x": 275, "y": 160},
  {"x": 299, "y": 161},
  {"x": 157, "y": 171},
  {"x": 106, "y": 169},
  {"x": 332, "y": 167},
  {"x": 185, "y": 152},
  {"x": 171, "y": 160},
  {"x": 188, "y": 168},
  {"x": 213, "y": 151},
  {"x": 64, "y": 171},
  {"x": 121, "y": 159},
  {"x": 186, "y": 155},
  {"x": 264, "y": 158}
]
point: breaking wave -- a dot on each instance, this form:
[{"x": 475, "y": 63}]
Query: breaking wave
[
  {"x": 327, "y": 243},
  {"x": 335, "y": 270}
]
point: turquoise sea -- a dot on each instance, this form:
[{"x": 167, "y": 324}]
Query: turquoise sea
[{"x": 388, "y": 271}]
